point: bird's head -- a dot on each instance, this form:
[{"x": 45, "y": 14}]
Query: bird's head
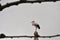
[{"x": 33, "y": 21}]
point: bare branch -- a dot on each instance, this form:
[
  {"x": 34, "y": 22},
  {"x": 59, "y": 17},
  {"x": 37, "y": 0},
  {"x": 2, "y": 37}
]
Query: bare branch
[
  {"x": 19, "y": 2},
  {"x": 30, "y": 36}
]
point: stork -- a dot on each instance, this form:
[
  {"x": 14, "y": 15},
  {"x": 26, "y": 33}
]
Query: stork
[{"x": 36, "y": 25}]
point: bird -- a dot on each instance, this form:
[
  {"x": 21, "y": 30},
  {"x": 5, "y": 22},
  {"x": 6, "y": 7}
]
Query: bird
[{"x": 36, "y": 25}]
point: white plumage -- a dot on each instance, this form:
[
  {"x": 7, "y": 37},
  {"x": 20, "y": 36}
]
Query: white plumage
[{"x": 36, "y": 25}]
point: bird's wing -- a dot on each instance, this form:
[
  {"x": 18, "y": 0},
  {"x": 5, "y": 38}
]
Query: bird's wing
[{"x": 37, "y": 25}]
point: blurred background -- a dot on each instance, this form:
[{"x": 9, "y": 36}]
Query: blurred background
[{"x": 16, "y": 20}]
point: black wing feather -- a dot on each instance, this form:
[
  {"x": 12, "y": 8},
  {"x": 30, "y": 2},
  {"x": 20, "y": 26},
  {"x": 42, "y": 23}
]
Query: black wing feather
[{"x": 37, "y": 25}]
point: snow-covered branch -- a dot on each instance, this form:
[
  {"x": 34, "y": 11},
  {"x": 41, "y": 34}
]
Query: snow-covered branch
[
  {"x": 19, "y": 2},
  {"x": 4, "y": 36}
]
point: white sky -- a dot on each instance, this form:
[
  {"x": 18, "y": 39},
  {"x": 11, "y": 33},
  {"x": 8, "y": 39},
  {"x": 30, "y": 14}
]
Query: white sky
[{"x": 16, "y": 20}]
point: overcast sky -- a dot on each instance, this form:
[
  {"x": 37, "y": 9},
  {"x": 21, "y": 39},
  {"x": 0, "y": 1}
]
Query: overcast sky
[{"x": 16, "y": 20}]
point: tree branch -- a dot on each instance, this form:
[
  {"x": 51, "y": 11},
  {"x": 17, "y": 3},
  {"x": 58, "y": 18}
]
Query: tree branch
[
  {"x": 19, "y": 2},
  {"x": 30, "y": 36}
]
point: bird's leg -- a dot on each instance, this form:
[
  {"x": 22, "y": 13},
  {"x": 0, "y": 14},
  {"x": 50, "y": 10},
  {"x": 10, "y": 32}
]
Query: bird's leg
[{"x": 36, "y": 29}]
